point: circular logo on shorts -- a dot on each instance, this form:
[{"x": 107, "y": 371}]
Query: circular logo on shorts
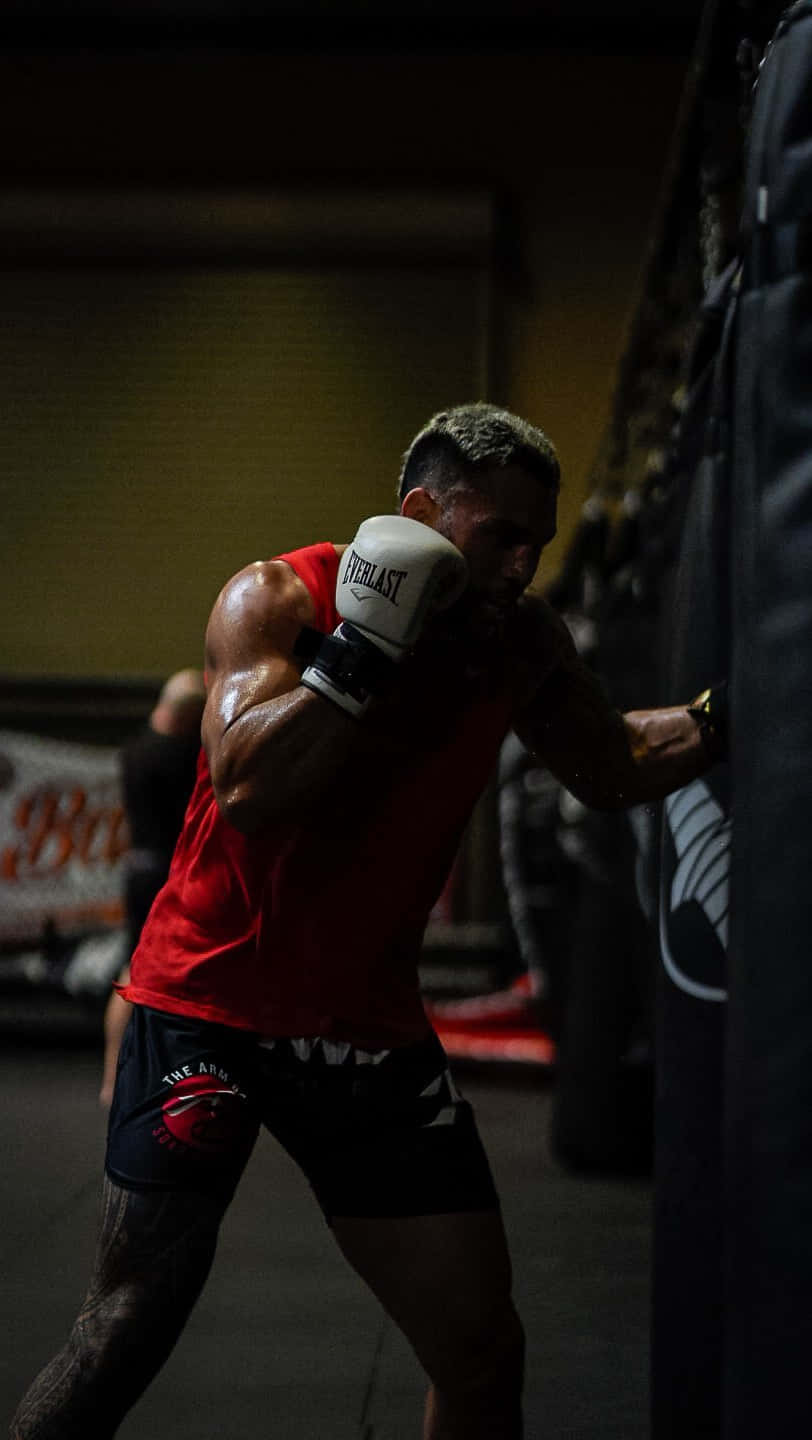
[{"x": 205, "y": 1113}]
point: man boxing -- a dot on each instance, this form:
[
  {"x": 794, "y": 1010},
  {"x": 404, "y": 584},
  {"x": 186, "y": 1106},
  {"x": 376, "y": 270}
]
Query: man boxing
[{"x": 357, "y": 699}]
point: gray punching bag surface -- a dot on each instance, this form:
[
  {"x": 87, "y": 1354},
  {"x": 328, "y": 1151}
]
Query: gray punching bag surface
[
  {"x": 769, "y": 1104},
  {"x": 688, "y": 1273}
]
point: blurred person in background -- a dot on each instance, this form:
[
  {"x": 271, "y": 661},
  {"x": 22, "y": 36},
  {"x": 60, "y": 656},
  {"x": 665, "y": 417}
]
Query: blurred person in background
[
  {"x": 158, "y": 767},
  {"x": 540, "y": 889}
]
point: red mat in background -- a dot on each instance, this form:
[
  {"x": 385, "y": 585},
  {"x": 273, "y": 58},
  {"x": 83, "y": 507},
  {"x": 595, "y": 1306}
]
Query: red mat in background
[{"x": 510, "y": 1043}]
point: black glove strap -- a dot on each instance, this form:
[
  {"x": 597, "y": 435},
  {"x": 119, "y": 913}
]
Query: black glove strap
[
  {"x": 354, "y": 664},
  {"x": 307, "y": 643}
]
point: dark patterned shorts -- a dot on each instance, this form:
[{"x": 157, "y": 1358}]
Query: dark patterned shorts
[{"x": 376, "y": 1134}]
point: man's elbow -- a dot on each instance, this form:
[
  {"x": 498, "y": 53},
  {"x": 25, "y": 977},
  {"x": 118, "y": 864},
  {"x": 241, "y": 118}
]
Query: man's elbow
[
  {"x": 251, "y": 804},
  {"x": 600, "y": 792},
  {"x": 235, "y": 784},
  {"x": 238, "y": 804},
  {"x": 610, "y": 799},
  {"x": 236, "y": 791}
]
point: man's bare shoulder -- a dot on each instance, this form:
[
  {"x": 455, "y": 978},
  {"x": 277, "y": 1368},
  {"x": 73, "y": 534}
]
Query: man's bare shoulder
[
  {"x": 540, "y": 630},
  {"x": 261, "y": 609},
  {"x": 266, "y": 590},
  {"x": 538, "y": 644}
]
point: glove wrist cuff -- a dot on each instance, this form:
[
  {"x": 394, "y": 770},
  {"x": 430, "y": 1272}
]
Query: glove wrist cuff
[{"x": 349, "y": 669}]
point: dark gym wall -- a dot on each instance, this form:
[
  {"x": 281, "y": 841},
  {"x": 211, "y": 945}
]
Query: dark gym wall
[
  {"x": 170, "y": 425},
  {"x": 572, "y": 146}
]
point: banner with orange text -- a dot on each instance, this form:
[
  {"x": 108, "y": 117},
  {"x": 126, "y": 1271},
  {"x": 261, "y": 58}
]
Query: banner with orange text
[{"x": 62, "y": 837}]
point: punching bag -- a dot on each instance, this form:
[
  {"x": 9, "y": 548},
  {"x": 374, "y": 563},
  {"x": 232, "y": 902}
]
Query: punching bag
[
  {"x": 694, "y": 871},
  {"x": 769, "y": 1081}
]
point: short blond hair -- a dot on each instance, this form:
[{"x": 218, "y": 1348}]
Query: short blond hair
[{"x": 457, "y": 443}]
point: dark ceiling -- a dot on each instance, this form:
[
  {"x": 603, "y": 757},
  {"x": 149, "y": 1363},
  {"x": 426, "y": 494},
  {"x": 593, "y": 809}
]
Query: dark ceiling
[{"x": 598, "y": 25}]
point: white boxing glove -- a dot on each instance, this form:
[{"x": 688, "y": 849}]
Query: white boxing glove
[{"x": 393, "y": 575}]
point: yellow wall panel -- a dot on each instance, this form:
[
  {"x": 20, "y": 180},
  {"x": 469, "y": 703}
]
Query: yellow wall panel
[{"x": 164, "y": 427}]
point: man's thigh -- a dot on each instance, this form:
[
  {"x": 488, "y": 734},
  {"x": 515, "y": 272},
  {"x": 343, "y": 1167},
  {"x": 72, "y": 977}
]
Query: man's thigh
[
  {"x": 384, "y": 1135},
  {"x": 392, "y": 1151},
  {"x": 445, "y": 1280}
]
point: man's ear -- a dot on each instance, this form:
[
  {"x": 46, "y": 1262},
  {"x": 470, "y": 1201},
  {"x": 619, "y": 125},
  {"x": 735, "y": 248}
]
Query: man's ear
[{"x": 418, "y": 504}]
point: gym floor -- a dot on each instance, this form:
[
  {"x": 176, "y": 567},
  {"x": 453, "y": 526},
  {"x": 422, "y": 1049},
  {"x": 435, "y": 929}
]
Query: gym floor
[{"x": 285, "y": 1341}]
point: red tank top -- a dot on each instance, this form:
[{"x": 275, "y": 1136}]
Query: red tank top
[{"x": 315, "y": 929}]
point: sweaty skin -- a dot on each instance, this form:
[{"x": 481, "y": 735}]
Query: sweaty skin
[
  {"x": 270, "y": 741},
  {"x": 274, "y": 747}
]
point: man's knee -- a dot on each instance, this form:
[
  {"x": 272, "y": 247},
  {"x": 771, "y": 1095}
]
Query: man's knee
[
  {"x": 479, "y": 1396},
  {"x": 486, "y": 1360}
]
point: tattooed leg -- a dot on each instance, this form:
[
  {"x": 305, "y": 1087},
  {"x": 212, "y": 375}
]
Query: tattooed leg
[{"x": 155, "y": 1251}]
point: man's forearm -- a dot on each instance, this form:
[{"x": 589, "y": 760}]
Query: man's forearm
[
  {"x": 278, "y": 757},
  {"x": 612, "y": 761}
]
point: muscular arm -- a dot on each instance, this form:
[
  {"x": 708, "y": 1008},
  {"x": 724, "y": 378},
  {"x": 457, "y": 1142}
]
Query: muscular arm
[
  {"x": 608, "y": 760},
  {"x": 272, "y": 744}
]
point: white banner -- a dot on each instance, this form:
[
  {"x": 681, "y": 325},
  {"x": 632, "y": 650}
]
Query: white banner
[{"x": 63, "y": 836}]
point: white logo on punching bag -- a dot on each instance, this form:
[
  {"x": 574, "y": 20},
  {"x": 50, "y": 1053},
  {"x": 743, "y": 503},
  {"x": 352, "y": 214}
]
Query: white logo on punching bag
[{"x": 700, "y": 833}]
